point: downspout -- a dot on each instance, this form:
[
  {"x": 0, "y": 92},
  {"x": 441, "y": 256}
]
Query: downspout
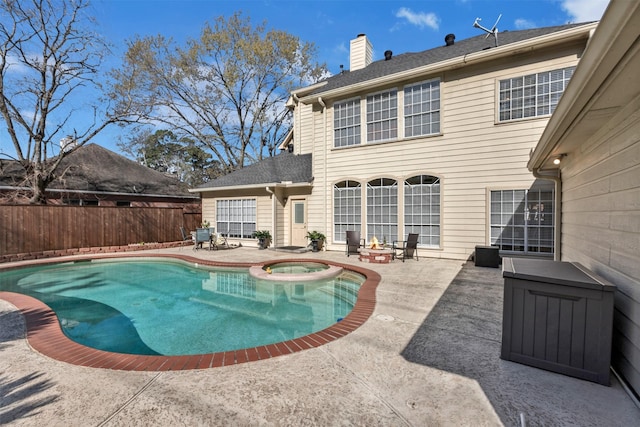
[
  {"x": 326, "y": 153},
  {"x": 273, "y": 214},
  {"x": 554, "y": 176},
  {"x": 296, "y": 100}
]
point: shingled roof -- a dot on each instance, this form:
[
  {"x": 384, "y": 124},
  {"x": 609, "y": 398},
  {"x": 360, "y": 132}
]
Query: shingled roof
[
  {"x": 283, "y": 168},
  {"x": 95, "y": 169},
  {"x": 408, "y": 61}
]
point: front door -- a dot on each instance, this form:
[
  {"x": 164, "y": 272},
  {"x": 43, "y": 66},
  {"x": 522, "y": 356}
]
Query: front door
[{"x": 299, "y": 223}]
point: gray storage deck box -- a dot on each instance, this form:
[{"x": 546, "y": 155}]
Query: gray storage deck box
[{"x": 557, "y": 316}]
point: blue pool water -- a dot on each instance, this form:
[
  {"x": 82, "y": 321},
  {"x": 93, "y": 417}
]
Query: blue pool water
[{"x": 171, "y": 308}]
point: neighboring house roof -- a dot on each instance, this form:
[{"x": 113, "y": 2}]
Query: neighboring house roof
[
  {"x": 284, "y": 169},
  {"x": 409, "y": 61},
  {"x": 94, "y": 169}
]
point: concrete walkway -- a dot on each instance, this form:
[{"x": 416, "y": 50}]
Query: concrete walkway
[{"x": 428, "y": 356}]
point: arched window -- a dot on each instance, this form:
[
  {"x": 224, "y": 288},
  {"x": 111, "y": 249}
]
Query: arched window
[
  {"x": 347, "y": 202},
  {"x": 422, "y": 208},
  {"x": 382, "y": 209}
]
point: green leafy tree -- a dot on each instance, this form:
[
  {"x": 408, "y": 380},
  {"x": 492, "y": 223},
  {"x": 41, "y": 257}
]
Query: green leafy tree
[
  {"x": 164, "y": 152},
  {"x": 50, "y": 55},
  {"x": 227, "y": 89}
]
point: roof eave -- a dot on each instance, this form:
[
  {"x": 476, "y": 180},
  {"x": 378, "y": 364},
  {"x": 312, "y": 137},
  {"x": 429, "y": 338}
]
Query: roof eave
[
  {"x": 287, "y": 140},
  {"x": 611, "y": 40},
  {"x": 297, "y": 93},
  {"x": 284, "y": 184},
  {"x": 101, "y": 193},
  {"x": 537, "y": 43}
]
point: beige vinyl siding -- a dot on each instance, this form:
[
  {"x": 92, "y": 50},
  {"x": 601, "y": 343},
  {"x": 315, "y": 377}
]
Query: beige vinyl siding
[
  {"x": 264, "y": 214},
  {"x": 303, "y": 140},
  {"x": 281, "y": 235},
  {"x": 317, "y": 204},
  {"x": 601, "y": 226},
  {"x": 361, "y": 52},
  {"x": 473, "y": 154},
  {"x": 282, "y": 219},
  {"x": 208, "y": 209}
]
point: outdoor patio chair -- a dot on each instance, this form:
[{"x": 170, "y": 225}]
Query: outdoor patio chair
[
  {"x": 221, "y": 241},
  {"x": 406, "y": 248},
  {"x": 213, "y": 238},
  {"x": 203, "y": 235},
  {"x": 186, "y": 237},
  {"x": 354, "y": 242}
]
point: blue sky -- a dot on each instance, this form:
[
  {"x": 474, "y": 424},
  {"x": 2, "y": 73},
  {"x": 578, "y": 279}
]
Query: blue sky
[{"x": 399, "y": 26}]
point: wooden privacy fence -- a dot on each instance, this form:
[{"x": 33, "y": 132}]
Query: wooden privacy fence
[{"x": 28, "y": 228}]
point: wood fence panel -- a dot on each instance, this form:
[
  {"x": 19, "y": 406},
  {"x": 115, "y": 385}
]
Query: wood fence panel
[{"x": 27, "y": 228}]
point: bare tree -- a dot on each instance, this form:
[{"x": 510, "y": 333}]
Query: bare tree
[
  {"x": 227, "y": 89},
  {"x": 50, "y": 61}
]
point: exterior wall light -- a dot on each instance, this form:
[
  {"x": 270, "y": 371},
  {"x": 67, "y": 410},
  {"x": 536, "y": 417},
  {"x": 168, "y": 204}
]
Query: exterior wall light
[{"x": 558, "y": 159}]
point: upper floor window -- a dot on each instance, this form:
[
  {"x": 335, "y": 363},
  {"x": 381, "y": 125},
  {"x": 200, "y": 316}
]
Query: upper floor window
[
  {"x": 346, "y": 123},
  {"x": 532, "y": 95},
  {"x": 382, "y": 116},
  {"x": 422, "y": 109}
]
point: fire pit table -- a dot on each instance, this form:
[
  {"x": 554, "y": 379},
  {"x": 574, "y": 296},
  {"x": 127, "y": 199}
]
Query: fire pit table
[{"x": 377, "y": 256}]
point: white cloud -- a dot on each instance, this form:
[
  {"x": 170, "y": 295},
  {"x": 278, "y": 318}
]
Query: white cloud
[
  {"x": 524, "y": 24},
  {"x": 341, "y": 48},
  {"x": 15, "y": 65},
  {"x": 584, "y": 10},
  {"x": 420, "y": 19}
]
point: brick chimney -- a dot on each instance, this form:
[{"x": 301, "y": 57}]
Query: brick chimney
[{"x": 361, "y": 53}]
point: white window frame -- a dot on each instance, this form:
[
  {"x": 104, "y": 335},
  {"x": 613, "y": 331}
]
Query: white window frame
[
  {"x": 532, "y": 95},
  {"x": 381, "y": 114},
  {"x": 422, "y": 214},
  {"x": 347, "y": 126},
  {"x": 422, "y": 108},
  {"x": 347, "y": 208},
  {"x": 522, "y": 221},
  {"x": 236, "y": 217},
  {"x": 382, "y": 209}
]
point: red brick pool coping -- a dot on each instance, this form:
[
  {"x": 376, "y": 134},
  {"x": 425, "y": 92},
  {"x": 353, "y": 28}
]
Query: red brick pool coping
[{"x": 45, "y": 335}]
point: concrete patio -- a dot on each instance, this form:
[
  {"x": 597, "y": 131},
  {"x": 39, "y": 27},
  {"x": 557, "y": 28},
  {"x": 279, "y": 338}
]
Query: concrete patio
[{"x": 429, "y": 355}]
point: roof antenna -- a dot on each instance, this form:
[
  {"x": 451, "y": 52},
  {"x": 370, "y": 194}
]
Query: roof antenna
[{"x": 490, "y": 32}]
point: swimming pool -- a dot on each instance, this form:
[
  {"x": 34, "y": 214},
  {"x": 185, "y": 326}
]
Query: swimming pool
[{"x": 169, "y": 308}]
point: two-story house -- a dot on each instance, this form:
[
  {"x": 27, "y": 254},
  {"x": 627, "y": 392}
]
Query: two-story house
[{"x": 435, "y": 142}]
